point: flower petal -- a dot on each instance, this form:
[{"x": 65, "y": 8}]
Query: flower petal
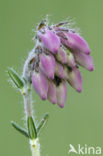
[
  {"x": 50, "y": 41},
  {"x": 75, "y": 42},
  {"x": 70, "y": 60},
  {"x": 47, "y": 64},
  {"x": 61, "y": 93},
  {"x": 59, "y": 71},
  {"x": 62, "y": 56},
  {"x": 75, "y": 79},
  {"x": 84, "y": 60},
  {"x": 40, "y": 84},
  {"x": 52, "y": 93}
]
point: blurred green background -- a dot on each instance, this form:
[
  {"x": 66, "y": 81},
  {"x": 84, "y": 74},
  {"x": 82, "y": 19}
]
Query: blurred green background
[{"x": 81, "y": 121}]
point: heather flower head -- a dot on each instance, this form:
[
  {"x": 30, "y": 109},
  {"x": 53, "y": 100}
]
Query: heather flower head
[
  {"x": 58, "y": 53},
  {"x": 51, "y": 65}
]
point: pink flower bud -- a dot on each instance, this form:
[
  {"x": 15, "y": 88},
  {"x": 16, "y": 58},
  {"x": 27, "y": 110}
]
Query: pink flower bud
[
  {"x": 61, "y": 93},
  {"x": 70, "y": 60},
  {"x": 62, "y": 56},
  {"x": 84, "y": 60},
  {"x": 66, "y": 73},
  {"x": 66, "y": 57},
  {"x": 59, "y": 52},
  {"x": 75, "y": 42},
  {"x": 40, "y": 84},
  {"x": 75, "y": 79},
  {"x": 59, "y": 71},
  {"x": 47, "y": 64},
  {"x": 52, "y": 93},
  {"x": 50, "y": 41}
]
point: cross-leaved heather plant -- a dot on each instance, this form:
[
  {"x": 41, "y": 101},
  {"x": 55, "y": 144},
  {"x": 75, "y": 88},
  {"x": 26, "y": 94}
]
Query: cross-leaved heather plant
[{"x": 54, "y": 62}]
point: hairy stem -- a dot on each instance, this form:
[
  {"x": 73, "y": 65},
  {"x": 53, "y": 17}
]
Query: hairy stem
[
  {"x": 28, "y": 104},
  {"x": 27, "y": 96},
  {"x": 35, "y": 145}
]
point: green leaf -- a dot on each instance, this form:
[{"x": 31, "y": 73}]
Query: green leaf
[
  {"x": 20, "y": 129},
  {"x": 42, "y": 122},
  {"x": 31, "y": 128},
  {"x": 18, "y": 81}
]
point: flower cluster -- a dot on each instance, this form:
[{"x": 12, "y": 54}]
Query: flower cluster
[{"x": 58, "y": 53}]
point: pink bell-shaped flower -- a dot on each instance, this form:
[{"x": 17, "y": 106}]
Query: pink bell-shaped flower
[
  {"x": 47, "y": 64},
  {"x": 59, "y": 71},
  {"x": 75, "y": 42},
  {"x": 62, "y": 56},
  {"x": 50, "y": 41},
  {"x": 75, "y": 79},
  {"x": 40, "y": 84},
  {"x": 52, "y": 93},
  {"x": 84, "y": 60},
  {"x": 61, "y": 93}
]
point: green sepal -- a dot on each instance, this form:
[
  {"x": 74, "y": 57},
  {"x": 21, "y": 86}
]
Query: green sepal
[
  {"x": 31, "y": 128},
  {"x": 18, "y": 81},
  {"x": 20, "y": 129},
  {"x": 42, "y": 123}
]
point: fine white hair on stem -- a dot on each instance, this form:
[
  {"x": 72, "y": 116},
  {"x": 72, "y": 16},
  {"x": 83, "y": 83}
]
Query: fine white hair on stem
[{"x": 25, "y": 68}]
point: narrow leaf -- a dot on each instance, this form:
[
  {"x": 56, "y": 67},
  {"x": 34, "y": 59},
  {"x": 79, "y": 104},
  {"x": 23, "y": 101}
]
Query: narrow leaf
[
  {"x": 16, "y": 78},
  {"x": 42, "y": 122},
  {"x": 20, "y": 129},
  {"x": 31, "y": 128}
]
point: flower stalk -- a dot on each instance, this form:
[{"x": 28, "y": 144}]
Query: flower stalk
[
  {"x": 32, "y": 130},
  {"x": 27, "y": 96}
]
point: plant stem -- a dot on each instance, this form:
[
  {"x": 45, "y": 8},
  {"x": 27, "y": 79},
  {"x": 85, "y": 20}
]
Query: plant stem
[
  {"x": 27, "y": 96},
  {"x": 35, "y": 147},
  {"x": 28, "y": 104}
]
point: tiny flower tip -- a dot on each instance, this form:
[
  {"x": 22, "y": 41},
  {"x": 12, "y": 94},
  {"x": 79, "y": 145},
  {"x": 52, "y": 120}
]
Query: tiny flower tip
[
  {"x": 62, "y": 105},
  {"x": 55, "y": 50},
  {"x": 79, "y": 90},
  {"x": 44, "y": 97},
  {"x": 73, "y": 64},
  {"x": 51, "y": 76},
  {"x": 91, "y": 68},
  {"x": 88, "y": 51},
  {"x": 54, "y": 102}
]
